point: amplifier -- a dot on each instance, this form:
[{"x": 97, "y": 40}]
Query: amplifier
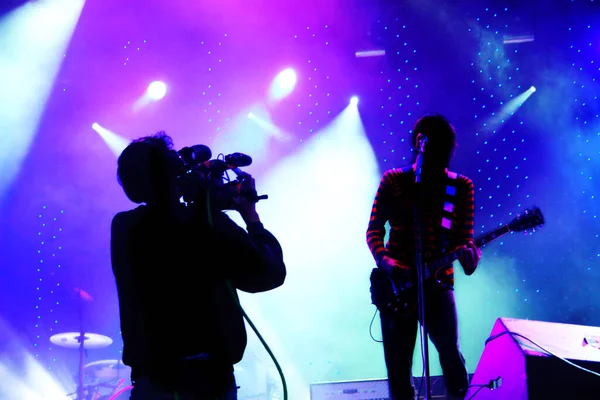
[{"x": 369, "y": 389}]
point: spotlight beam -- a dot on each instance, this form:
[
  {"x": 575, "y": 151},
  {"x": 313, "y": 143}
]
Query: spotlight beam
[
  {"x": 114, "y": 142},
  {"x": 508, "y": 110},
  {"x": 22, "y": 377},
  {"x": 34, "y": 40},
  {"x": 332, "y": 197}
]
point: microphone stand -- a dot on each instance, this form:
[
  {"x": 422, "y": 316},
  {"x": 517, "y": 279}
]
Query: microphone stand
[{"x": 420, "y": 265}]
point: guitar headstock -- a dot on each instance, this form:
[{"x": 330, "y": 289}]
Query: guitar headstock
[{"x": 530, "y": 219}]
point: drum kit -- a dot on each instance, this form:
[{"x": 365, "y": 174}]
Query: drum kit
[
  {"x": 110, "y": 379},
  {"x": 98, "y": 380}
]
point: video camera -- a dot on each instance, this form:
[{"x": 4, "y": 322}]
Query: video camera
[{"x": 198, "y": 175}]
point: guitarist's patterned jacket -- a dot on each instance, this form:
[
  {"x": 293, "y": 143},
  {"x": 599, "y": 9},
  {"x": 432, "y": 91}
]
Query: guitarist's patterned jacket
[{"x": 448, "y": 215}]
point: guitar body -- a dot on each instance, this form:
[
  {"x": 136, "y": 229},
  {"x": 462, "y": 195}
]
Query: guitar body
[
  {"x": 397, "y": 294},
  {"x": 392, "y": 294}
]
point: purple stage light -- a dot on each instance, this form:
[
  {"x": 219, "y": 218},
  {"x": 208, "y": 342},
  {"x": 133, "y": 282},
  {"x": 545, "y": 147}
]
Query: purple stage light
[
  {"x": 283, "y": 84},
  {"x": 157, "y": 90},
  {"x": 286, "y": 79}
]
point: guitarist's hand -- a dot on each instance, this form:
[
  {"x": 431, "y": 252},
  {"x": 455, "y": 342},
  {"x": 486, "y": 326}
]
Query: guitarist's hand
[
  {"x": 388, "y": 264},
  {"x": 470, "y": 257}
]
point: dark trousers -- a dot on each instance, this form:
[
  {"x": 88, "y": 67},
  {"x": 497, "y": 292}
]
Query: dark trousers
[
  {"x": 200, "y": 389},
  {"x": 400, "y": 335},
  {"x": 196, "y": 379}
]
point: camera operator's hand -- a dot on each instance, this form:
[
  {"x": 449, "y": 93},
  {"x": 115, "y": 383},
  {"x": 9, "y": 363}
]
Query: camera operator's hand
[{"x": 242, "y": 204}]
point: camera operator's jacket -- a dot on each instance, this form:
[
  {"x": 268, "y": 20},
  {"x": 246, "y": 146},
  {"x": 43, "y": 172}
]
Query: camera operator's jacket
[{"x": 174, "y": 285}]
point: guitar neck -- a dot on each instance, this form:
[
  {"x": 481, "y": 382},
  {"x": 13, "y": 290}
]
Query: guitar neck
[{"x": 480, "y": 241}]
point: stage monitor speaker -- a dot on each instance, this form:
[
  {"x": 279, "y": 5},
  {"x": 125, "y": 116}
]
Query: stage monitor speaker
[{"x": 528, "y": 372}]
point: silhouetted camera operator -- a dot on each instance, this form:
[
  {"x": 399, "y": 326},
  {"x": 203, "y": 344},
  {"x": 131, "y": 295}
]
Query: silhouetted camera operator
[{"x": 177, "y": 267}]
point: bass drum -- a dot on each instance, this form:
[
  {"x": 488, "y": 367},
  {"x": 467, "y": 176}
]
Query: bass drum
[{"x": 121, "y": 394}]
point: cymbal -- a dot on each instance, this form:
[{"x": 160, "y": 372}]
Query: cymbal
[
  {"x": 108, "y": 369},
  {"x": 71, "y": 340}
]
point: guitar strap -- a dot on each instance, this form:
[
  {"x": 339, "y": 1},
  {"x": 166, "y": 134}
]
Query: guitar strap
[{"x": 448, "y": 212}]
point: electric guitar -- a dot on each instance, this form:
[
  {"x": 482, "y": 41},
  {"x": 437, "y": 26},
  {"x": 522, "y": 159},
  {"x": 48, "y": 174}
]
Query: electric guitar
[{"x": 398, "y": 295}]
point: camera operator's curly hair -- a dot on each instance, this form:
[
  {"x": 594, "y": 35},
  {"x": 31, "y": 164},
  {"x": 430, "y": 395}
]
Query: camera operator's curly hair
[
  {"x": 159, "y": 139},
  {"x": 143, "y": 157}
]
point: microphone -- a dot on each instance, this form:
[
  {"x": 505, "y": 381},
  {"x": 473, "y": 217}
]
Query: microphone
[
  {"x": 422, "y": 139},
  {"x": 238, "y": 160},
  {"x": 196, "y": 154},
  {"x": 422, "y": 142}
]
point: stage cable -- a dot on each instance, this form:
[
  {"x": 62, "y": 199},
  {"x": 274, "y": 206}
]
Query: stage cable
[
  {"x": 237, "y": 301},
  {"x": 371, "y": 327}
]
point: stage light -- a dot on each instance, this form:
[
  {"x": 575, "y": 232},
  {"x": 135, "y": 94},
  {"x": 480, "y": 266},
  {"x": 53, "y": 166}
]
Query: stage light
[
  {"x": 369, "y": 53},
  {"x": 354, "y": 100},
  {"x": 283, "y": 84},
  {"x": 286, "y": 80},
  {"x": 533, "y": 89},
  {"x": 157, "y": 90},
  {"x": 95, "y": 126}
]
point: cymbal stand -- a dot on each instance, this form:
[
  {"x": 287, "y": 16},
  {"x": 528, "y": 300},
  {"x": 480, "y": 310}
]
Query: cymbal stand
[{"x": 80, "y": 387}]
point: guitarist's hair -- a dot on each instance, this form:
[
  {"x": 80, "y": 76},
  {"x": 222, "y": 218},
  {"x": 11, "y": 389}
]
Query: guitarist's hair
[{"x": 441, "y": 136}]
